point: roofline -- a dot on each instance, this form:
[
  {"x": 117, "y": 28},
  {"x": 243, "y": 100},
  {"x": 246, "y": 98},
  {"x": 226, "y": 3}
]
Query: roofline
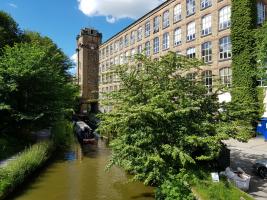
[{"x": 139, "y": 19}]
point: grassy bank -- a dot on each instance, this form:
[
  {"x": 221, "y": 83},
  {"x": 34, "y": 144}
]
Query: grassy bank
[
  {"x": 26, "y": 163},
  {"x": 197, "y": 184},
  {"x": 208, "y": 190}
]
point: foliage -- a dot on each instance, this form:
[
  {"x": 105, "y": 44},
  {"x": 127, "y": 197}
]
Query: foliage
[
  {"x": 33, "y": 88},
  {"x": 52, "y": 51},
  {"x": 9, "y": 31},
  {"x": 12, "y": 143},
  {"x": 12, "y": 175},
  {"x": 161, "y": 121},
  {"x": 62, "y": 133},
  {"x": 208, "y": 190},
  {"x": 175, "y": 187},
  {"x": 244, "y": 91},
  {"x": 261, "y": 53},
  {"x": 261, "y": 42}
]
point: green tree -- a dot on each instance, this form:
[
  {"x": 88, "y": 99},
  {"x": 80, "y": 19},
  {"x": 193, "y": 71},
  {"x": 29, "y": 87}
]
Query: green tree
[
  {"x": 52, "y": 50},
  {"x": 33, "y": 89},
  {"x": 9, "y": 31},
  {"x": 161, "y": 122}
]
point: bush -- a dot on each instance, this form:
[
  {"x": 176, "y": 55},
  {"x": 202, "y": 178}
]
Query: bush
[
  {"x": 24, "y": 165},
  {"x": 62, "y": 133},
  {"x": 174, "y": 187}
]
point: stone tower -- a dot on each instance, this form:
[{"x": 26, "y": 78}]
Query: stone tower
[{"x": 88, "y": 42}]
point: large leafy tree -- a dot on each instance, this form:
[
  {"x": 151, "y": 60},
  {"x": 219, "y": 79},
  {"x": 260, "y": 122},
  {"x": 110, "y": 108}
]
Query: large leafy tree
[
  {"x": 34, "y": 88},
  {"x": 161, "y": 122},
  {"x": 9, "y": 31}
]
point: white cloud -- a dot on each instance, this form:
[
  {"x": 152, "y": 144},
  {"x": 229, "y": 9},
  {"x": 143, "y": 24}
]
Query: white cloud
[
  {"x": 114, "y": 10},
  {"x": 74, "y": 58},
  {"x": 13, "y": 5}
]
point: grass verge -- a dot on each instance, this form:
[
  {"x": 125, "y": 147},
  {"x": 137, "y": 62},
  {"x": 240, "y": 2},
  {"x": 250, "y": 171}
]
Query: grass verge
[
  {"x": 23, "y": 166},
  {"x": 208, "y": 190}
]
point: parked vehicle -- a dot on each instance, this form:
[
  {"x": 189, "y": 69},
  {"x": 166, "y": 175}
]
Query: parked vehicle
[
  {"x": 260, "y": 167},
  {"x": 84, "y": 133}
]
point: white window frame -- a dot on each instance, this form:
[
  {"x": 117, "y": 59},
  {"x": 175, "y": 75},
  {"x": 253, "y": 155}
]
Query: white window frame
[
  {"x": 226, "y": 76},
  {"x": 132, "y": 54},
  {"x": 225, "y": 17},
  {"x": 177, "y": 36},
  {"x": 147, "y": 48},
  {"x": 156, "y": 24},
  {"x": 191, "y": 76},
  {"x": 191, "y": 52},
  {"x": 225, "y": 48},
  {"x": 166, "y": 19},
  {"x": 132, "y": 37},
  {"x": 206, "y": 25},
  {"x": 111, "y": 49},
  {"x": 191, "y": 31},
  {"x": 206, "y": 52},
  {"x": 205, "y": 4},
  {"x": 126, "y": 40},
  {"x": 121, "y": 43},
  {"x": 166, "y": 41},
  {"x": 190, "y": 7},
  {"x": 139, "y": 33},
  {"x": 139, "y": 49},
  {"x": 147, "y": 29},
  {"x": 261, "y": 12},
  {"x": 207, "y": 80},
  {"x": 177, "y": 13},
  {"x": 156, "y": 45},
  {"x": 116, "y": 46}
]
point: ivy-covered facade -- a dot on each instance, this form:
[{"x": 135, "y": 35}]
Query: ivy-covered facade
[{"x": 247, "y": 16}]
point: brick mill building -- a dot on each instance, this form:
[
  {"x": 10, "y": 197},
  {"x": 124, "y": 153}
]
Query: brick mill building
[{"x": 194, "y": 28}]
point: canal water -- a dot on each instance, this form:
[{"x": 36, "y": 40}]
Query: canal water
[{"x": 80, "y": 174}]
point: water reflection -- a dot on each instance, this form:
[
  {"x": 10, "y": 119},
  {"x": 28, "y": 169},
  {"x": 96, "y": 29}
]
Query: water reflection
[{"x": 80, "y": 175}]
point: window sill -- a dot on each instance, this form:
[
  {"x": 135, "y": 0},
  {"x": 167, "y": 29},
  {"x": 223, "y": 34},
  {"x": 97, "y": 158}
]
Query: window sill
[
  {"x": 223, "y": 29},
  {"x": 189, "y": 15},
  {"x": 176, "y": 45},
  {"x": 225, "y": 59},
  {"x": 187, "y": 41},
  {"x": 165, "y": 27},
  {"x": 205, "y": 7},
  {"x": 174, "y": 22},
  {"x": 166, "y": 49},
  {"x": 206, "y": 35},
  {"x": 208, "y": 63}
]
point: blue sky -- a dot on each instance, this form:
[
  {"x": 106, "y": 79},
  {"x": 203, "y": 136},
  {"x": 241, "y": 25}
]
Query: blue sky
[{"x": 61, "y": 20}]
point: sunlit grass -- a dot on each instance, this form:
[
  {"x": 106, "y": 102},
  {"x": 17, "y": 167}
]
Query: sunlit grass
[
  {"x": 25, "y": 164},
  {"x": 208, "y": 190}
]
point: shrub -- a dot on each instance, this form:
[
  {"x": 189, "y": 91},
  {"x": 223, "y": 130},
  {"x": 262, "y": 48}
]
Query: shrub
[
  {"x": 24, "y": 165},
  {"x": 175, "y": 187},
  {"x": 62, "y": 133}
]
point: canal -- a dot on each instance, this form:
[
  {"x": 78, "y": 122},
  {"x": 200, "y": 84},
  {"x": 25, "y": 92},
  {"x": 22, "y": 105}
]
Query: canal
[{"x": 79, "y": 174}]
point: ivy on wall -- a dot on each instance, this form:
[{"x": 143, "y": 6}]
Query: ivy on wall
[
  {"x": 244, "y": 65},
  {"x": 261, "y": 57}
]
